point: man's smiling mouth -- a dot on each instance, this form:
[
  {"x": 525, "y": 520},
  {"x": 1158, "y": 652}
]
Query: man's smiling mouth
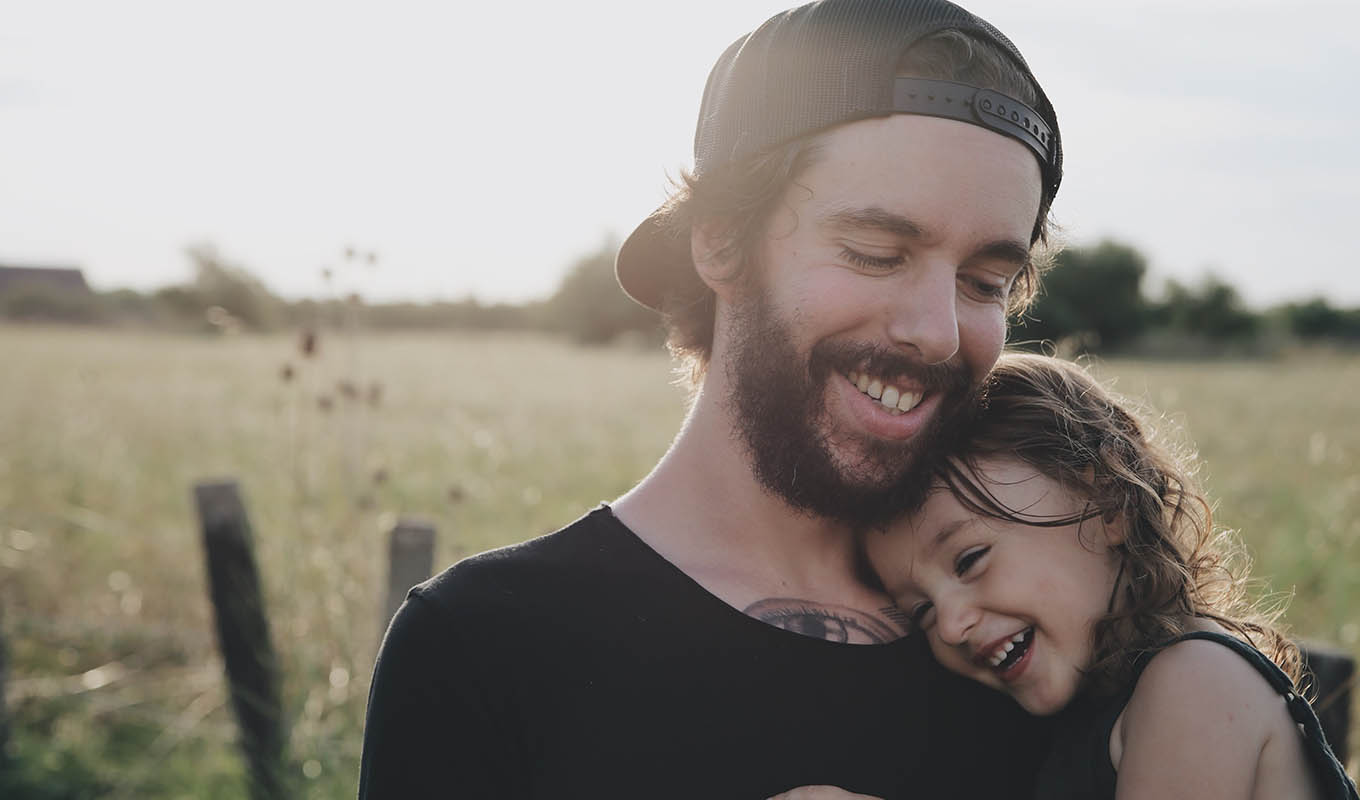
[{"x": 894, "y": 399}]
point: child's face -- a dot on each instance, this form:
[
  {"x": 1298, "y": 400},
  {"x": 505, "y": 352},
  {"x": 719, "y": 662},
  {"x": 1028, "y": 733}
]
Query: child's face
[{"x": 975, "y": 584}]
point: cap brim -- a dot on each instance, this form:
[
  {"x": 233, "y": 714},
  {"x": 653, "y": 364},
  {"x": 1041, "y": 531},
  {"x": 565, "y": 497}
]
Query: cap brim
[{"x": 653, "y": 262}]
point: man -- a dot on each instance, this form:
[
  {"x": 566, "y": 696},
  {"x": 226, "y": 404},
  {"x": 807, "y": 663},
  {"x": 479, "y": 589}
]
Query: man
[{"x": 837, "y": 272}]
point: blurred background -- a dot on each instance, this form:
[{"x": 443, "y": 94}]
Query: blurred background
[{"x": 358, "y": 260}]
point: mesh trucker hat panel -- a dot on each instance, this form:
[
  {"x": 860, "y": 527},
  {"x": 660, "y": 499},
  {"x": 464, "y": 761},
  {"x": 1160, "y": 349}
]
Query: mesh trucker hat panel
[{"x": 805, "y": 70}]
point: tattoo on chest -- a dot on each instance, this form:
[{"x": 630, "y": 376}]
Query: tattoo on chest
[{"x": 824, "y": 621}]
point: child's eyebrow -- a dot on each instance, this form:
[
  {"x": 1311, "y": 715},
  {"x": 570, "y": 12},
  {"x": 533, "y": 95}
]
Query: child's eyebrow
[{"x": 948, "y": 530}]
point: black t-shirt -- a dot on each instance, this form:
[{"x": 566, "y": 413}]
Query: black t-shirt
[{"x": 583, "y": 664}]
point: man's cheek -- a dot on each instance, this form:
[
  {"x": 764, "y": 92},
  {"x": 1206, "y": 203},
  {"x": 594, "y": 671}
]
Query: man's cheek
[{"x": 981, "y": 337}]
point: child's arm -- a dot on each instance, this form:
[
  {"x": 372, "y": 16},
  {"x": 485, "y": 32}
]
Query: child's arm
[{"x": 1195, "y": 727}]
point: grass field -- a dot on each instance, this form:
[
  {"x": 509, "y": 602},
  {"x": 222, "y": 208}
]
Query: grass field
[{"x": 115, "y": 689}]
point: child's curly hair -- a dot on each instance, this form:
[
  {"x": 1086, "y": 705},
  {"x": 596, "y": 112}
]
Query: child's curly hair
[{"x": 1056, "y": 417}]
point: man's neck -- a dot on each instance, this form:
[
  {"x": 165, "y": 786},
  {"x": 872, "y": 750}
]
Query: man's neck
[{"x": 703, "y": 510}]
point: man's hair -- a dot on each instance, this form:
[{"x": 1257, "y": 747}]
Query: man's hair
[
  {"x": 1174, "y": 564},
  {"x": 736, "y": 203}
]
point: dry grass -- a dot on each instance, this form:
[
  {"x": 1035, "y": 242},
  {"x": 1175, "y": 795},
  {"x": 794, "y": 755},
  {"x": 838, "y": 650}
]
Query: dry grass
[{"x": 115, "y": 685}]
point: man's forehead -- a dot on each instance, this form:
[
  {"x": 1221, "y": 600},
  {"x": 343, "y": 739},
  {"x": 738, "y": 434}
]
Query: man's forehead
[{"x": 884, "y": 176}]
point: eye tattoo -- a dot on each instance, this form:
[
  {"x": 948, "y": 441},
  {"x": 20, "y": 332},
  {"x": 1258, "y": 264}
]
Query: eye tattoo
[{"x": 822, "y": 621}]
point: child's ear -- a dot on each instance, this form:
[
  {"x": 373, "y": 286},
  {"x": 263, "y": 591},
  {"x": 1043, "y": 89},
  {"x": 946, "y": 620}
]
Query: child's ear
[
  {"x": 1110, "y": 518},
  {"x": 714, "y": 259},
  {"x": 1115, "y": 527}
]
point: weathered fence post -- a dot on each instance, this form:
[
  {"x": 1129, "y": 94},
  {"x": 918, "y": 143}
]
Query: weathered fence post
[
  {"x": 410, "y": 558},
  {"x": 1333, "y": 676},
  {"x": 4, "y": 714},
  {"x": 243, "y": 634}
]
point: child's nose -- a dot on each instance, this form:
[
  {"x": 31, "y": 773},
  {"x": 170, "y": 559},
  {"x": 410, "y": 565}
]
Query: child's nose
[{"x": 954, "y": 621}]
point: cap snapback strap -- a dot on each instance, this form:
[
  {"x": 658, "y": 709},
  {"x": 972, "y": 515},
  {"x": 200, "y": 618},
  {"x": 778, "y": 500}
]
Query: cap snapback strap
[{"x": 983, "y": 107}]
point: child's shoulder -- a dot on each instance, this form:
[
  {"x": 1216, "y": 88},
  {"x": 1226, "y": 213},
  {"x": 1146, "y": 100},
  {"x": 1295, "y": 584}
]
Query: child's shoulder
[
  {"x": 1201, "y": 675},
  {"x": 1203, "y": 698}
]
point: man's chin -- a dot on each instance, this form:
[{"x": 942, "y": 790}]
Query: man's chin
[{"x": 860, "y": 489}]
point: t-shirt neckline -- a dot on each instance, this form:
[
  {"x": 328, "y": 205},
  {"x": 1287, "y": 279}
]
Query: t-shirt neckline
[{"x": 729, "y": 610}]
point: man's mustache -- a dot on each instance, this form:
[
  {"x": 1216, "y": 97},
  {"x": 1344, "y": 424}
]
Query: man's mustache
[{"x": 887, "y": 363}]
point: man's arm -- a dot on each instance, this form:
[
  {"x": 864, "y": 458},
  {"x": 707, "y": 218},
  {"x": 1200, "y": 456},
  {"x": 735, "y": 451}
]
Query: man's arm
[{"x": 430, "y": 729}]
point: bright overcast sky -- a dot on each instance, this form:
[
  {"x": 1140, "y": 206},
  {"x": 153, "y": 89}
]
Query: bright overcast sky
[{"x": 480, "y": 148}]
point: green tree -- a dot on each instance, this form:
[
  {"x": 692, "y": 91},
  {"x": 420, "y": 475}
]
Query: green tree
[
  {"x": 1093, "y": 294},
  {"x": 218, "y": 282},
  {"x": 1213, "y": 309},
  {"x": 1318, "y": 319},
  {"x": 590, "y": 307}
]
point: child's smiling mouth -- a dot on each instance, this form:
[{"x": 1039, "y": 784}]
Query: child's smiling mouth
[{"x": 1007, "y": 657}]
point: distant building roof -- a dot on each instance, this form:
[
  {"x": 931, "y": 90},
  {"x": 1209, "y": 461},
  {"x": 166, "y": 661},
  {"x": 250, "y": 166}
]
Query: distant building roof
[{"x": 68, "y": 279}]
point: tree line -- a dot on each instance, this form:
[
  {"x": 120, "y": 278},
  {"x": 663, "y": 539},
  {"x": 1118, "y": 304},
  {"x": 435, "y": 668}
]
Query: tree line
[{"x": 1094, "y": 299}]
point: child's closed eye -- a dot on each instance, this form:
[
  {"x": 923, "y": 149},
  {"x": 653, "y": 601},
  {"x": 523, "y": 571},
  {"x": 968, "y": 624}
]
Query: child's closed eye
[
  {"x": 969, "y": 558},
  {"x": 919, "y": 614}
]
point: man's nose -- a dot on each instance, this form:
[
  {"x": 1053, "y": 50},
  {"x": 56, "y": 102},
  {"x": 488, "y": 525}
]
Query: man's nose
[{"x": 924, "y": 314}]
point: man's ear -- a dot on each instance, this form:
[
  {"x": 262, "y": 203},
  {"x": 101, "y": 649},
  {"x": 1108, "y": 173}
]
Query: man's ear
[{"x": 715, "y": 258}]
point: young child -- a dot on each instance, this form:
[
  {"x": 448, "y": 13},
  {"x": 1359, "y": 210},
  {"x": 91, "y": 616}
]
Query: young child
[{"x": 1065, "y": 558}]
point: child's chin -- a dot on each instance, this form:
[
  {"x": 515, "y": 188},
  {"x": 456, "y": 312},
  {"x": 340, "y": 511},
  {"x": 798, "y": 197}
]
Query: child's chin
[{"x": 1043, "y": 707}]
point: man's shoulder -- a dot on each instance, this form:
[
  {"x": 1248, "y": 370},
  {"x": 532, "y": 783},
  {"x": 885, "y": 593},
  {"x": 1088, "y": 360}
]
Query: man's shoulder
[{"x": 527, "y": 572}]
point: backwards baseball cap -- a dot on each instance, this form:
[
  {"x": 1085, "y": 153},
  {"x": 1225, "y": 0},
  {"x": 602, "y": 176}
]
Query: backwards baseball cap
[{"x": 820, "y": 65}]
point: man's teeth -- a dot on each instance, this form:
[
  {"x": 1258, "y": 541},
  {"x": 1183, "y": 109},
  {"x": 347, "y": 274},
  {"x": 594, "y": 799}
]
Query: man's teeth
[
  {"x": 892, "y": 398},
  {"x": 1003, "y": 650}
]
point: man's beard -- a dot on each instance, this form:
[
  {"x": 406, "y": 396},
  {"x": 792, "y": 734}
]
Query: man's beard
[{"x": 779, "y": 401}]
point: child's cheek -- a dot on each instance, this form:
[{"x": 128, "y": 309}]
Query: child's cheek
[{"x": 947, "y": 656}]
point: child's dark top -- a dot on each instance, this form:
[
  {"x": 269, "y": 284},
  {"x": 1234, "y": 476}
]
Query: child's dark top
[{"x": 1079, "y": 764}]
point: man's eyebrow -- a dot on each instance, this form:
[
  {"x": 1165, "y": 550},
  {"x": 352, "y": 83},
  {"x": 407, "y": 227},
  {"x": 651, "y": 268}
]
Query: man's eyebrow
[
  {"x": 875, "y": 218},
  {"x": 1007, "y": 250}
]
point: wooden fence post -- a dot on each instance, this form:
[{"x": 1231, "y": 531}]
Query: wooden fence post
[
  {"x": 1333, "y": 676},
  {"x": 243, "y": 634},
  {"x": 4, "y": 714},
  {"x": 410, "y": 558}
]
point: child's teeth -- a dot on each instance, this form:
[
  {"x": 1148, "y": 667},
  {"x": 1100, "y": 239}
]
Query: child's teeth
[
  {"x": 890, "y": 396},
  {"x": 862, "y": 382},
  {"x": 875, "y": 389},
  {"x": 908, "y": 401},
  {"x": 1004, "y": 650}
]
